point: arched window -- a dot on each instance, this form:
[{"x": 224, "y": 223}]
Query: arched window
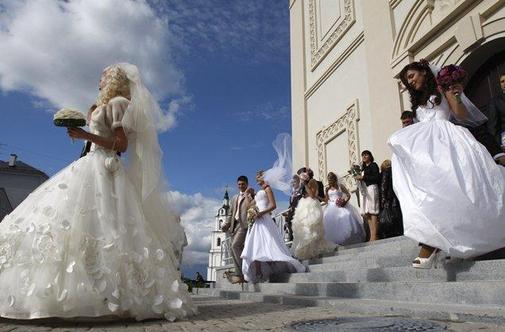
[{"x": 218, "y": 241}]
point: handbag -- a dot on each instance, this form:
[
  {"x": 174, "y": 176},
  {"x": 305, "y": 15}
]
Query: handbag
[{"x": 112, "y": 163}]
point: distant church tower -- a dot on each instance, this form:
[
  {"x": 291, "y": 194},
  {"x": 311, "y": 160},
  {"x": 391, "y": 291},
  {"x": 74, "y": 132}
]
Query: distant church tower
[{"x": 217, "y": 238}]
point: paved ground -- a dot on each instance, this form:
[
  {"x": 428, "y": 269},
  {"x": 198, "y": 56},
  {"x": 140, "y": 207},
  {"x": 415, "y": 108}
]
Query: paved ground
[{"x": 217, "y": 315}]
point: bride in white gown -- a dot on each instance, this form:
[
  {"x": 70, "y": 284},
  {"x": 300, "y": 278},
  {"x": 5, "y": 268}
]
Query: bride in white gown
[
  {"x": 451, "y": 191},
  {"x": 264, "y": 251},
  {"x": 343, "y": 224},
  {"x": 98, "y": 239}
]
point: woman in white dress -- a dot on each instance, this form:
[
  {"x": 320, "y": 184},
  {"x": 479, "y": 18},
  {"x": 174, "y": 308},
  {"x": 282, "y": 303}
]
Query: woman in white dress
[
  {"x": 343, "y": 224},
  {"x": 369, "y": 188},
  {"x": 264, "y": 251},
  {"x": 451, "y": 191},
  {"x": 98, "y": 239},
  {"x": 308, "y": 231}
]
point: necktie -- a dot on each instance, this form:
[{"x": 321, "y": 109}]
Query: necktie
[{"x": 239, "y": 200}]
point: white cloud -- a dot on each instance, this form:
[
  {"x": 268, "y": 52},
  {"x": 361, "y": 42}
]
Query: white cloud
[
  {"x": 267, "y": 111},
  {"x": 197, "y": 216},
  {"x": 240, "y": 30},
  {"x": 56, "y": 50}
]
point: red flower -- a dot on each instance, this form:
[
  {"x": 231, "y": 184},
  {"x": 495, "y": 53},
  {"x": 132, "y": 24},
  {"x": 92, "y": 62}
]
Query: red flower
[{"x": 450, "y": 75}]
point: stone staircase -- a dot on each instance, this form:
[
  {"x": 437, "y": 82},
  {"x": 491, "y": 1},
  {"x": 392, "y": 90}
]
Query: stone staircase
[{"x": 377, "y": 279}]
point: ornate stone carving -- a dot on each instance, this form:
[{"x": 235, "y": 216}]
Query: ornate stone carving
[
  {"x": 347, "y": 123},
  {"x": 318, "y": 51}
]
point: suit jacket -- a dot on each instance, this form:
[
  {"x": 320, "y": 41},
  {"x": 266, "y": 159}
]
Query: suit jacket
[
  {"x": 496, "y": 116},
  {"x": 293, "y": 203},
  {"x": 242, "y": 217},
  {"x": 320, "y": 190}
]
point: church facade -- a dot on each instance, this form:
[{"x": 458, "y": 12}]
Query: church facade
[
  {"x": 345, "y": 59},
  {"x": 218, "y": 239}
]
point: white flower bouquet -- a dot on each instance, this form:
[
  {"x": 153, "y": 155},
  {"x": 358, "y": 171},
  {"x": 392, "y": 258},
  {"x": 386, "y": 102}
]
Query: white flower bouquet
[
  {"x": 252, "y": 214},
  {"x": 69, "y": 118}
]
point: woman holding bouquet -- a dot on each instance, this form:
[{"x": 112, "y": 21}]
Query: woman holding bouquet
[
  {"x": 98, "y": 238},
  {"x": 446, "y": 181},
  {"x": 343, "y": 224},
  {"x": 264, "y": 250}
]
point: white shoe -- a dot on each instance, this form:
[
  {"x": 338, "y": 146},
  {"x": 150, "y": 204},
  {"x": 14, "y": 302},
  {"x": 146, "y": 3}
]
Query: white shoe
[{"x": 426, "y": 263}]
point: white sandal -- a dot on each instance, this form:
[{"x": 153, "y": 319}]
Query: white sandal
[{"x": 426, "y": 263}]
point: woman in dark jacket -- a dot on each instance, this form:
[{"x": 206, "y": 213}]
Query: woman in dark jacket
[
  {"x": 390, "y": 217},
  {"x": 369, "y": 188}
]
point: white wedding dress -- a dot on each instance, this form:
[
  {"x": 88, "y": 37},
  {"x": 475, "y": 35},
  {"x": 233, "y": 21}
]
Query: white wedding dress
[
  {"x": 342, "y": 225},
  {"x": 264, "y": 243},
  {"x": 81, "y": 244},
  {"x": 308, "y": 230},
  {"x": 451, "y": 192}
]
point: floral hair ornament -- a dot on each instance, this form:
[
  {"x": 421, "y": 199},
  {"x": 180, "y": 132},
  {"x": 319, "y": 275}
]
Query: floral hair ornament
[{"x": 424, "y": 62}]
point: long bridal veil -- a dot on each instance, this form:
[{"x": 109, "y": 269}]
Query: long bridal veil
[
  {"x": 144, "y": 161},
  {"x": 279, "y": 175}
]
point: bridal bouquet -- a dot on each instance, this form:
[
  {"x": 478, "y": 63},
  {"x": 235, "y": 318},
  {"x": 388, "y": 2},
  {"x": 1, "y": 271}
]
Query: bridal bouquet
[
  {"x": 252, "y": 214},
  {"x": 69, "y": 118},
  {"x": 341, "y": 201},
  {"x": 450, "y": 75},
  {"x": 355, "y": 170}
]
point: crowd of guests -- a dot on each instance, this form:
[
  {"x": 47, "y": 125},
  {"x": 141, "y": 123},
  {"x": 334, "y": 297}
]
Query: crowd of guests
[
  {"x": 319, "y": 219},
  {"x": 445, "y": 174}
]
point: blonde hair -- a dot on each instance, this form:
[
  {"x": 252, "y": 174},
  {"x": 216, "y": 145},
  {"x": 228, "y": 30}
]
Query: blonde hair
[
  {"x": 116, "y": 84},
  {"x": 385, "y": 164}
]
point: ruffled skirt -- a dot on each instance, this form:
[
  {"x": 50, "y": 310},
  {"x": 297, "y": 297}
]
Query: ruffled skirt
[
  {"x": 81, "y": 246},
  {"x": 308, "y": 230}
]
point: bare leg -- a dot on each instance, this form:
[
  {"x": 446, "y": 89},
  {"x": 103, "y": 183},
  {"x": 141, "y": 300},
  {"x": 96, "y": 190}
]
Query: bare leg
[
  {"x": 373, "y": 225},
  {"x": 426, "y": 251}
]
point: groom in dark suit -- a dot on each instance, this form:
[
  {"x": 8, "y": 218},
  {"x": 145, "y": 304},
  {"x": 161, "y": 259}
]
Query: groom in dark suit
[
  {"x": 496, "y": 114},
  {"x": 320, "y": 186}
]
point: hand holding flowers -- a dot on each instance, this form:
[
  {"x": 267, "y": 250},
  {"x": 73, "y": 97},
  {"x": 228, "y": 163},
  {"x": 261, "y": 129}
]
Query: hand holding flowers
[
  {"x": 450, "y": 80},
  {"x": 252, "y": 214},
  {"x": 341, "y": 202}
]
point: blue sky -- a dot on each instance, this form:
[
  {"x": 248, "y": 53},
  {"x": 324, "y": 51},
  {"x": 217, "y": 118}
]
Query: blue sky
[{"x": 219, "y": 68}]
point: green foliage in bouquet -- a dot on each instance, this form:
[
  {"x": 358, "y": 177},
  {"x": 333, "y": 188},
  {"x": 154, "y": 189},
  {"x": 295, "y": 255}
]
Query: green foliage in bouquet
[
  {"x": 67, "y": 117},
  {"x": 355, "y": 170},
  {"x": 69, "y": 122}
]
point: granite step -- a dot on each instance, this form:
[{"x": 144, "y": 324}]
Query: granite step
[
  {"x": 457, "y": 292},
  {"x": 453, "y": 270},
  {"x": 429, "y": 310},
  {"x": 376, "y": 246}
]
